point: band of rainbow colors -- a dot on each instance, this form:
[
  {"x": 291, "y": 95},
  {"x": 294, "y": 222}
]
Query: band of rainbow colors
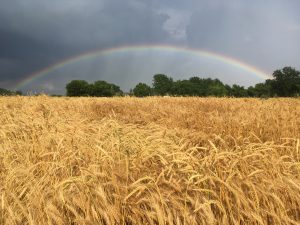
[{"x": 144, "y": 48}]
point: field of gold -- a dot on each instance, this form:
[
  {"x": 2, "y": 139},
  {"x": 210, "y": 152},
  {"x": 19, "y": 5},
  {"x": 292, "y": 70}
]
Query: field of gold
[{"x": 149, "y": 161}]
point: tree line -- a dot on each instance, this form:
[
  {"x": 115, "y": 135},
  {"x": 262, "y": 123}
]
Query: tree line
[
  {"x": 99, "y": 88},
  {"x": 285, "y": 83},
  {"x": 5, "y": 92}
]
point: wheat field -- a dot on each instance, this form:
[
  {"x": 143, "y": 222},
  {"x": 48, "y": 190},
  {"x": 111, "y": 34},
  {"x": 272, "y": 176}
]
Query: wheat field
[{"x": 149, "y": 161}]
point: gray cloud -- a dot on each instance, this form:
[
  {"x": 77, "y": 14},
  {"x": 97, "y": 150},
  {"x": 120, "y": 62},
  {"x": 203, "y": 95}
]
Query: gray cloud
[
  {"x": 35, "y": 34},
  {"x": 263, "y": 33},
  {"x": 82, "y": 23}
]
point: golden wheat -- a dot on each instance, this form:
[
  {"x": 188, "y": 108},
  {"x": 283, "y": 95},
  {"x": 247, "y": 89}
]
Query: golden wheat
[{"x": 149, "y": 161}]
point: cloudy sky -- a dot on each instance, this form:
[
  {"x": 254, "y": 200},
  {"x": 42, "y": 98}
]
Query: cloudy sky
[{"x": 35, "y": 34}]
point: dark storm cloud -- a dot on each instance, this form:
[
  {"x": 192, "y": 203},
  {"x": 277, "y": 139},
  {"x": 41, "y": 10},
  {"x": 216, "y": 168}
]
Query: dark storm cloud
[
  {"x": 21, "y": 54},
  {"x": 84, "y": 24},
  {"x": 37, "y": 33},
  {"x": 18, "y": 54}
]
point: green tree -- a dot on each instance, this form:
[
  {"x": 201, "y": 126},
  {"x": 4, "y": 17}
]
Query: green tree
[
  {"x": 77, "y": 88},
  {"x": 201, "y": 86},
  {"x": 116, "y": 90},
  {"x": 184, "y": 88},
  {"x": 162, "y": 84},
  {"x": 251, "y": 91},
  {"x": 286, "y": 82},
  {"x": 5, "y": 92},
  {"x": 262, "y": 90},
  {"x": 238, "y": 91},
  {"x": 142, "y": 90},
  {"x": 101, "y": 89},
  {"x": 208, "y": 87},
  {"x": 228, "y": 90},
  {"x": 216, "y": 88},
  {"x": 18, "y": 92},
  {"x": 131, "y": 92}
]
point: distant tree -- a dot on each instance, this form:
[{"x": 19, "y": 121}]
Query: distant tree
[
  {"x": 77, "y": 88},
  {"x": 216, "y": 88},
  {"x": 101, "y": 88},
  {"x": 251, "y": 91},
  {"x": 196, "y": 80},
  {"x": 162, "y": 84},
  {"x": 286, "y": 82},
  {"x": 208, "y": 87},
  {"x": 116, "y": 90},
  {"x": 131, "y": 92},
  {"x": 5, "y": 92},
  {"x": 142, "y": 90},
  {"x": 238, "y": 91},
  {"x": 228, "y": 90},
  {"x": 184, "y": 88},
  {"x": 91, "y": 90},
  {"x": 201, "y": 85},
  {"x": 98, "y": 89},
  {"x": 18, "y": 92},
  {"x": 262, "y": 90}
]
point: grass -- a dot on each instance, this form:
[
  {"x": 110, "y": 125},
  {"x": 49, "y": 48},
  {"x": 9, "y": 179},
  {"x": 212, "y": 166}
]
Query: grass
[{"x": 149, "y": 161}]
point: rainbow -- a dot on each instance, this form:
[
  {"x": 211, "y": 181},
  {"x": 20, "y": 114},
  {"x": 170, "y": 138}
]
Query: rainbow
[{"x": 143, "y": 48}]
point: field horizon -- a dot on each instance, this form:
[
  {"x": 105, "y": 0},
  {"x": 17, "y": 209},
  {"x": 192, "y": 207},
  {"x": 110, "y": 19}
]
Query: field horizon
[{"x": 154, "y": 160}]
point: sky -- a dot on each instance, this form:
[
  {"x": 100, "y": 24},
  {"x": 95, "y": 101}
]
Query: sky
[{"x": 37, "y": 34}]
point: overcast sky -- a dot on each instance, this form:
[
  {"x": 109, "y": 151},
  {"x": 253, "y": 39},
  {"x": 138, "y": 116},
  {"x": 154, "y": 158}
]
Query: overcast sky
[{"x": 35, "y": 34}]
